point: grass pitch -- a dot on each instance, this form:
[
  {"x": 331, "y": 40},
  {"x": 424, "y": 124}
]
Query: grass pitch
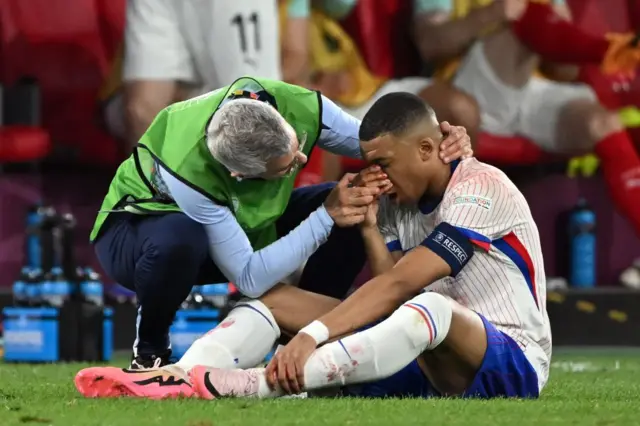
[{"x": 585, "y": 388}]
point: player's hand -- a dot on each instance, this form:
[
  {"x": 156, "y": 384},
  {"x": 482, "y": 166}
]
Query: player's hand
[
  {"x": 286, "y": 368},
  {"x": 456, "y": 143},
  {"x": 348, "y": 204}
]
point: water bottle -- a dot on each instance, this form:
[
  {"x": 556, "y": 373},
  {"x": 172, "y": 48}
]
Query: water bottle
[
  {"x": 582, "y": 245},
  {"x": 196, "y": 300},
  {"x": 32, "y": 288},
  {"x": 20, "y": 288},
  {"x": 215, "y": 295},
  {"x": 91, "y": 287},
  {"x": 32, "y": 240},
  {"x": 55, "y": 289}
]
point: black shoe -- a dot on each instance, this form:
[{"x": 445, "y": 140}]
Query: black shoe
[{"x": 147, "y": 362}]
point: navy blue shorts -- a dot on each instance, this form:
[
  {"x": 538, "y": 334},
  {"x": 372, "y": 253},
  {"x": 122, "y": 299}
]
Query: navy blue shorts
[{"x": 505, "y": 372}]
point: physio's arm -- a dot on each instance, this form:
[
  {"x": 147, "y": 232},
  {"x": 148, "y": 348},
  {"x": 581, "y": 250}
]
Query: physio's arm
[
  {"x": 340, "y": 131},
  {"x": 253, "y": 272}
]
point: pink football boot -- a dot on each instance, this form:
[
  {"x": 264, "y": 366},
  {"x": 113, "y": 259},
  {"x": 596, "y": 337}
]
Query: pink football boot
[
  {"x": 166, "y": 382},
  {"x": 212, "y": 383}
]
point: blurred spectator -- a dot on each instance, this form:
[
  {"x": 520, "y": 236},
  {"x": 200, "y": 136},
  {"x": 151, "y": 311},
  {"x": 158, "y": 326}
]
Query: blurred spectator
[
  {"x": 327, "y": 59},
  {"x": 500, "y": 72},
  {"x": 180, "y": 49}
]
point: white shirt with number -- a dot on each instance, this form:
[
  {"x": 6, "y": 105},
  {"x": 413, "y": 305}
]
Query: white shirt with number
[
  {"x": 208, "y": 43},
  {"x": 504, "y": 280}
]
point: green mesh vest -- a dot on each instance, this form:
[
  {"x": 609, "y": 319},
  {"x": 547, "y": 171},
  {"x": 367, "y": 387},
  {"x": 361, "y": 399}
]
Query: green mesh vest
[{"x": 176, "y": 140}]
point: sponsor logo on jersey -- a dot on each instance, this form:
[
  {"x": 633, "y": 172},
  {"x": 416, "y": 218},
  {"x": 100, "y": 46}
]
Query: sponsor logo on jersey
[{"x": 483, "y": 202}]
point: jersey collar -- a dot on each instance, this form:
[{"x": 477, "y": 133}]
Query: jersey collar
[{"x": 428, "y": 204}]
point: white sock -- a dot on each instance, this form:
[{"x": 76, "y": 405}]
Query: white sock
[
  {"x": 380, "y": 351},
  {"x": 242, "y": 340}
]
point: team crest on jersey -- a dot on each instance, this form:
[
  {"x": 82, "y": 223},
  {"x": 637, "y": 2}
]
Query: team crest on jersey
[{"x": 483, "y": 202}]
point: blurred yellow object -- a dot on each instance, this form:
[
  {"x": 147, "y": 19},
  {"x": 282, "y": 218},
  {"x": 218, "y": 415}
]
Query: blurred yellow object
[
  {"x": 333, "y": 51},
  {"x": 584, "y": 166},
  {"x": 630, "y": 116}
]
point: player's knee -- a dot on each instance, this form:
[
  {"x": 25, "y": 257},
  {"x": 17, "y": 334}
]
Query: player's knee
[{"x": 426, "y": 319}]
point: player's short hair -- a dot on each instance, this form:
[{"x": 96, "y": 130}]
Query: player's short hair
[
  {"x": 394, "y": 113},
  {"x": 245, "y": 133}
]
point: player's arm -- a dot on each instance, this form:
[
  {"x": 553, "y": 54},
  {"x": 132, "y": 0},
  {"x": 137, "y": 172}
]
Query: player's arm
[
  {"x": 381, "y": 257},
  {"x": 438, "y": 37},
  {"x": 556, "y": 71},
  {"x": 156, "y": 58},
  {"x": 295, "y": 43},
  {"x": 443, "y": 253},
  {"x": 381, "y": 239}
]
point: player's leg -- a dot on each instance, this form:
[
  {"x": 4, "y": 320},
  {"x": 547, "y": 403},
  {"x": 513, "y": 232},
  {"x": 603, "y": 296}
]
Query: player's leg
[
  {"x": 457, "y": 352},
  {"x": 245, "y": 337},
  {"x": 568, "y": 119},
  {"x": 242, "y": 340},
  {"x": 373, "y": 354},
  {"x": 332, "y": 269}
]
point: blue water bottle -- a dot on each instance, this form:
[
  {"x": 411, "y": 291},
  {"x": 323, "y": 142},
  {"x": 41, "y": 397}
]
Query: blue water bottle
[
  {"x": 92, "y": 288},
  {"x": 582, "y": 245},
  {"x": 20, "y": 288},
  {"x": 215, "y": 295},
  {"x": 32, "y": 239},
  {"x": 32, "y": 288},
  {"x": 55, "y": 289}
]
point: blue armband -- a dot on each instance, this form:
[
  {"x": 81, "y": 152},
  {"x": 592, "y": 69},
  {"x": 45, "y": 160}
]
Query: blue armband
[{"x": 451, "y": 245}]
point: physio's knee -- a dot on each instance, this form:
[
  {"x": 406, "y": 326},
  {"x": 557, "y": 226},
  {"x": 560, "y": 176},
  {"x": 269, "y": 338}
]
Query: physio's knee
[
  {"x": 426, "y": 319},
  {"x": 183, "y": 242}
]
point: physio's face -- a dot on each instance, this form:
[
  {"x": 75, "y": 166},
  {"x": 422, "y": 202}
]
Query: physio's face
[{"x": 288, "y": 164}]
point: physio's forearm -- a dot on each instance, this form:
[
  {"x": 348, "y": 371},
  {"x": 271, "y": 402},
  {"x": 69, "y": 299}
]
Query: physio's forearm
[{"x": 254, "y": 273}]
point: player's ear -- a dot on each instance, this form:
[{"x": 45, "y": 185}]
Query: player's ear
[{"x": 426, "y": 149}]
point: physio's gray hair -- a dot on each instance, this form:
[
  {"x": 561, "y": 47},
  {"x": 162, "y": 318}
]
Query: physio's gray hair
[{"x": 245, "y": 133}]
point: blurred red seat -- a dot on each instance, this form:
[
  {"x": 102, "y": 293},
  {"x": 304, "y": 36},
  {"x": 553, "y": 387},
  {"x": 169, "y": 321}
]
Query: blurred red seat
[
  {"x": 23, "y": 144},
  {"x": 60, "y": 44}
]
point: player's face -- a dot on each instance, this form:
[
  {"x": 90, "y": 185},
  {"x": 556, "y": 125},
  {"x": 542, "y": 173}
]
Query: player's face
[{"x": 403, "y": 160}]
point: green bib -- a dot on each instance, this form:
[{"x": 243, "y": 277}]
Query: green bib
[{"x": 176, "y": 140}]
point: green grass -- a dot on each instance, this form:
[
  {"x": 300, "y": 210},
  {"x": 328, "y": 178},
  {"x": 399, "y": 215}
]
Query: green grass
[{"x": 605, "y": 393}]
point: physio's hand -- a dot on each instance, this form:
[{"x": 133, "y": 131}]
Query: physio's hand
[
  {"x": 286, "y": 368},
  {"x": 456, "y": 143},
  {"x": 347, "y": 204}
]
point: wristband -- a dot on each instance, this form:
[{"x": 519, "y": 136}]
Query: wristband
[{"x": 318, "y": 332}]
